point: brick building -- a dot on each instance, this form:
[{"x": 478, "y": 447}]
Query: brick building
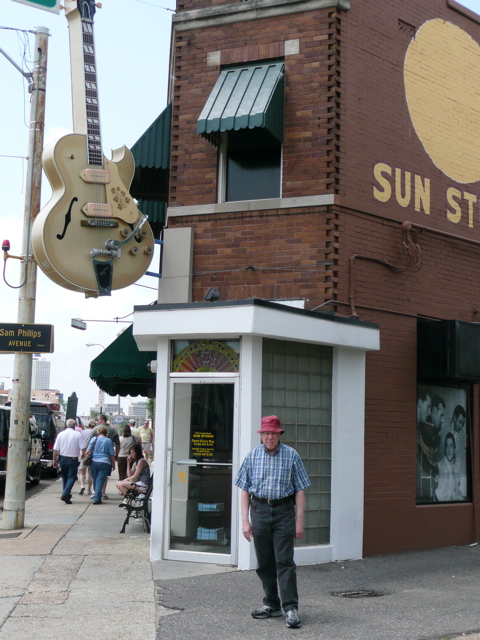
[{"x": 323, "y": 185}]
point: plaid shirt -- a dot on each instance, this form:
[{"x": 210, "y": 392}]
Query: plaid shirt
[{"x": 272, "y": 476}]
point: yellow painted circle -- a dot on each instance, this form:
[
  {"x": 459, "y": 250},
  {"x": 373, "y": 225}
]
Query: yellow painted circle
[
  {"x": 182, "y": 476},
  {"x": 442, "y": 85}
]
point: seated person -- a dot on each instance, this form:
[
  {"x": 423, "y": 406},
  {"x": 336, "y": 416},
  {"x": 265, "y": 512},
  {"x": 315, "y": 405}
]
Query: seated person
[{"x": 138, "y": 471}]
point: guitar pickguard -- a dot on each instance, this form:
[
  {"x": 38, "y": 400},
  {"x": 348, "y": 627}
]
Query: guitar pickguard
[{"x": 63, "y": 236}]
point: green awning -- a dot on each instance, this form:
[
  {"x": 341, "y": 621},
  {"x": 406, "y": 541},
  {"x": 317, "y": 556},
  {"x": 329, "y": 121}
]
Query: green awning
[
  {"x": 155, "y": 210},
  {"x": 152, "y": 149},
  {"x": 245, "y": 97},
  {"x": 121, "y": 369}
]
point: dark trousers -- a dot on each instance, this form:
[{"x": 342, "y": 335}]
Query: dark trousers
[
  {"x": 273, "y": 536},
  {"x": 69, "y": 469}
]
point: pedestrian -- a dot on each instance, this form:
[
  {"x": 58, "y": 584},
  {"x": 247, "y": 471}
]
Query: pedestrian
[
  {"x": 146, "y": 436},
  {"x": 113, "y": 436},
  {"x": 272, "y": 480},
  {"x": 68, "y": 446},
  {"x": 127, "y": 441},
  {"x": 83, "y": 471},
  {"x": 133, "y": 429},
  {"x": 103, "y": 461}
]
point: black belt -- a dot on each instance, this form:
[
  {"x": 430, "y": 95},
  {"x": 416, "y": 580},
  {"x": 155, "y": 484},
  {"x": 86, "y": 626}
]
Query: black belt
[
  {"x": 71, "y": 457},
  {"x": 272, "y": 503}
]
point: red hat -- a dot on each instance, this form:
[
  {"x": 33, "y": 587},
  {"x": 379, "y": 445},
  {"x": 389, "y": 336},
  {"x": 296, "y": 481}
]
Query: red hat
[{"x": 271, "y": 423}]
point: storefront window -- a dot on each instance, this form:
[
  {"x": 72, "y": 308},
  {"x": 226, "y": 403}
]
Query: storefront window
[
  {"x": 297, "y": 387},
  {"x": 443, "y": 469}
]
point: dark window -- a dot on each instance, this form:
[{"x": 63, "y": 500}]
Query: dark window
[{"x": 253, "y": 160}]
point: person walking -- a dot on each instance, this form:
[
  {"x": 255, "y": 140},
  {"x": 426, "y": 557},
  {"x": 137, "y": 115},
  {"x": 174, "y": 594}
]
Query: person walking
[
  {"x": 113, "y": 436},
  {"x": 82, "y": 469},
  {"x": 127, "y": 440},
  {"x": 145, "y": 434},
  {"x": 272, "y": 480},
  {"x": 68, "y": 446},
  {"x": 103, "y": 462}
]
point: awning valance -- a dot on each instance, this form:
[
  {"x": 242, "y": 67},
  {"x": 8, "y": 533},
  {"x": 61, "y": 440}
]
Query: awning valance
[
  {"x": 245, "y": 97},
  {"x": 121, "y": 369}
]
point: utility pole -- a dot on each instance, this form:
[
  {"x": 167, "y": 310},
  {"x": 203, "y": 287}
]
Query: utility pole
[{"x": 14, "y": 503}]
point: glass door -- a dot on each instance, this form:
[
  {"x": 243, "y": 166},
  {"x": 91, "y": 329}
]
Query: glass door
[{"x": 200, "y": 517}]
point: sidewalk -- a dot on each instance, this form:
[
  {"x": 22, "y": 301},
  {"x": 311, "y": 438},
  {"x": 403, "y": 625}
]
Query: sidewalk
[{"x": 70, "y": 573}]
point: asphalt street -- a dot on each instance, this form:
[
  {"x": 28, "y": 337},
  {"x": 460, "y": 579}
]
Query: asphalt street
[{"x": 417, "y": 596}]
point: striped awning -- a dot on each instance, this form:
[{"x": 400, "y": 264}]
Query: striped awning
[{"x": 245, "y": 98}]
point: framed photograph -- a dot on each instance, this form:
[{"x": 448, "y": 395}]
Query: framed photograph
[{"x": 442, "y": 444}]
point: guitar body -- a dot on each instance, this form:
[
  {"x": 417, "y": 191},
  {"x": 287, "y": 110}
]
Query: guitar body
[
  {"x": 90, "y": 237},
  {"x": 90, "y": 206}
]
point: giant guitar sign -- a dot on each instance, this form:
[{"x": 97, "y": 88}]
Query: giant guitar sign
[{"x": 90, "y": 237}]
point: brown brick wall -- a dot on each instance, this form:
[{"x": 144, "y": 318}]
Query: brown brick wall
[
  {"x": 309, "y": 150},
  {"x": 345, "y": 110}
]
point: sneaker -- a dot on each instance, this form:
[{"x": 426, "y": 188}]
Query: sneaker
[
  {"x": 265, "y": 611},
  {"x": 66, "y": 499},
  {"x": 82, "y": 491},
  {"x": 89, "y": 493},
  {"x": 105, "y": 497},
  {"x": 292, "y": 619}
]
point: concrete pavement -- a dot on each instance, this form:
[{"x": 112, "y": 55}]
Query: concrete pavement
[{"x": 70, "y": 573}]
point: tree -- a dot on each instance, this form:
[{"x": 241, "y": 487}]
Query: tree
[{"x": 151, "y": 409}]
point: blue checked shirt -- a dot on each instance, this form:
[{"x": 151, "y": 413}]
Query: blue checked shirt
[{"x": 272, "y": 476}]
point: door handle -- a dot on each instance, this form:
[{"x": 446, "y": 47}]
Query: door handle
[{"x": 190, "y": 463}]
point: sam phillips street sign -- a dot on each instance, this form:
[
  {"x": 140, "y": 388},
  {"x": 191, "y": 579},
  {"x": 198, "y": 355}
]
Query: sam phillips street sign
[{"x": 26, "y": 338}]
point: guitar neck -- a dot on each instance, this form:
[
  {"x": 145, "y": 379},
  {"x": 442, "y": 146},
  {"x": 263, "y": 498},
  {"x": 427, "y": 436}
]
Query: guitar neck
[
  {"x": 86, "y": 112},
  {"x": 92, "y": 112}
]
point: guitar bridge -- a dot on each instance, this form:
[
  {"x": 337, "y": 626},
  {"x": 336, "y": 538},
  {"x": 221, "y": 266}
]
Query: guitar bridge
[
  {"x": 95, "y": 176},
  {"x": 102, "y": 223},
  {"x": 97, "y": 210}
]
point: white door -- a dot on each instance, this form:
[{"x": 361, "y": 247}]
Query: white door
[{"x": 201, "y": 518}]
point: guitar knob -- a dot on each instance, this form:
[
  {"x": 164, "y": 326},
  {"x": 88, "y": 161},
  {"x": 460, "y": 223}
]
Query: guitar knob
[
  {"x": 143, "y": 233},
  {"x": 133, "y": 251},
  {"x": 124, "y": 232},
  {"x": 148, "y": 251}
]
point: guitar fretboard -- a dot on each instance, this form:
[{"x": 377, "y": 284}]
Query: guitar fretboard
[{"x": 94, "y": 143}]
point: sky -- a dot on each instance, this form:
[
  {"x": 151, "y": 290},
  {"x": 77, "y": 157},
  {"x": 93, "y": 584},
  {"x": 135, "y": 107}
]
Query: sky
[
  {"x": 132, "y": 39},
  {"x": 132, "y": 47}
]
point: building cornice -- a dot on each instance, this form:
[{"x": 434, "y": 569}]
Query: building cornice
[{"x": 249, "y": 10}]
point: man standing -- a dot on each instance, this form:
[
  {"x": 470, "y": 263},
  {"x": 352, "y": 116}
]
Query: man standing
[
  {"x": 133, "y": 429},
  {"x": 273, "y": 479},
  {"x": 146, "y": 436},
  {"x": 113, "y": 435},
  {"x": 67, "y": 448}
]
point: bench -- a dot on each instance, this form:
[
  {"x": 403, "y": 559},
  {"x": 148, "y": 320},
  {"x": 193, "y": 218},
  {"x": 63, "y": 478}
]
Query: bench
[{"x": 137, "y": 506}]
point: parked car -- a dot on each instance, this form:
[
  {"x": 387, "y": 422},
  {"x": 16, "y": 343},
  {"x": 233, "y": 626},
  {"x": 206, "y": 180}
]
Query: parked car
[
  {"x": 34, "y": 464},
  {"x": 50, "y": 421}
]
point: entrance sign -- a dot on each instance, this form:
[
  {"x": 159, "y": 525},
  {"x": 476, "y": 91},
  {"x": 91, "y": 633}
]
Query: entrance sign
[
  {"x": 26, "y": 338},
  {"x": 47, "y": 5}
]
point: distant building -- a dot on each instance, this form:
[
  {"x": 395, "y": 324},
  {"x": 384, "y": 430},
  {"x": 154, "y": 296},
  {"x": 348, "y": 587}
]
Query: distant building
[
  {"x": 40, "y": 373},
  {"x": 138, "y": 411}
]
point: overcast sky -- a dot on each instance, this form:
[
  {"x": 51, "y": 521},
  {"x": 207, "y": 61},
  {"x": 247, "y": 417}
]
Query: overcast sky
[{"x": 132, "y": 44}]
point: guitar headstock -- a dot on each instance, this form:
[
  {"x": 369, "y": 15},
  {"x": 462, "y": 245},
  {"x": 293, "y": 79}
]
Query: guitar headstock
[{"x": 86, "y": 8}]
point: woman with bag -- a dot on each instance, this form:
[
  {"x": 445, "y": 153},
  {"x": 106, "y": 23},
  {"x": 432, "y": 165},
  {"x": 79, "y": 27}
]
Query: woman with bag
[
  {"x": 103, "y": 461},
  {"x": 126, "y": 443}
]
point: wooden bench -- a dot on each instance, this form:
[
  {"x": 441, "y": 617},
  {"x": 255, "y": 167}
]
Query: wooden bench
[{"x": 137, "y": 506}]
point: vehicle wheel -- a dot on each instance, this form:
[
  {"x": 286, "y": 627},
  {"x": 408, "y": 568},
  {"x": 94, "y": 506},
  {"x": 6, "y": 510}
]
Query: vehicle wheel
[{"x": 36, "y": 474}]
